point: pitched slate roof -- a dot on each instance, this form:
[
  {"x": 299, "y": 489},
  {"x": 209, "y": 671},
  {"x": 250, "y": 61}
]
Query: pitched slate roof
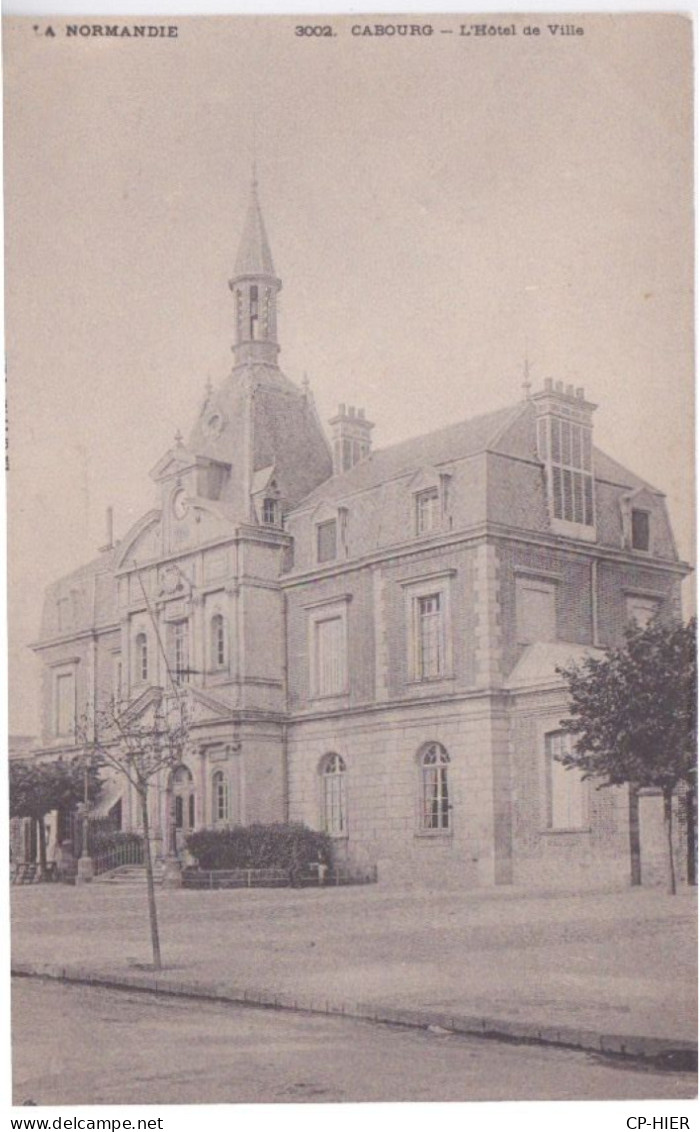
[
  {"x": 91, "y": 591},
  {"x": 609, "y": 470},
  {"x": 455, "y": 442},
  {"x": 264, "y": 419},
  {"x": 485, "y": 433}
]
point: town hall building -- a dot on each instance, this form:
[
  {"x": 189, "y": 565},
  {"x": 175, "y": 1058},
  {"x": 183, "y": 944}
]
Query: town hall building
[{"x": 368, "y": 640}]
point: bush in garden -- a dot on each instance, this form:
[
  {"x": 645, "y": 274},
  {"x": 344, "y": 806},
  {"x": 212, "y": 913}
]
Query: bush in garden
[
  {"x": 104, "y": 840},
  {"x": 293, "y": 847}
]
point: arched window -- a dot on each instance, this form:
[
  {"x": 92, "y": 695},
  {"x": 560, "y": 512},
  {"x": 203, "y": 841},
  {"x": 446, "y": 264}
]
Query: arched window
[
  {"x": 335, "y": 821},
  {"x": 435, "y": 808},
  {"x": 141, "y": 658},
  {"x": 220, "y": 799},
  {"x": 218, "y": 641}
]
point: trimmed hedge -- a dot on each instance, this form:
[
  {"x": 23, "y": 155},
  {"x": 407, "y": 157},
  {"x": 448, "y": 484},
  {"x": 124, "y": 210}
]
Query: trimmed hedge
[
  {"x": 104, "y": 840},
  {"x": 292, "y": 847}
]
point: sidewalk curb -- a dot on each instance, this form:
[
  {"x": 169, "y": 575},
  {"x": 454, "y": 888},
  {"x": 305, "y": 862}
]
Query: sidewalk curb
[{"x": 624, "y": 1045}]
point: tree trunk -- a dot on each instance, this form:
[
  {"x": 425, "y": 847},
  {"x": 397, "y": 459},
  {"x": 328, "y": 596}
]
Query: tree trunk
[
  {"x": 635, "y": 845},
  {"x": 668, "y": 829},
  {"x": 152, "y": 913},
  {"x": 42, "y": 847},
  {"x": 691, "y": 811}
]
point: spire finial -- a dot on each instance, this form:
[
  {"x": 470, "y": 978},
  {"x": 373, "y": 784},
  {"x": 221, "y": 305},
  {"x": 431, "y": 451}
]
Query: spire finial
[{"x": 178, "y": 439}]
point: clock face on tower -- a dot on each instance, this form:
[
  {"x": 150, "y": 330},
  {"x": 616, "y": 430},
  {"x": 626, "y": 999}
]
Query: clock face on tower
[{"x": 179, "y": 504}]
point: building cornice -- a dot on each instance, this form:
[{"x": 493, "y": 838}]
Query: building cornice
[
  {"x": 474, "y": 536},
  {"x": 68, "y": 638},
  {"x": 244, "y": 533}
]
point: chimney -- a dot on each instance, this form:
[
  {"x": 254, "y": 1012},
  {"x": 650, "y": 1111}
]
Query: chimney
[{"x": 351, "y": 438}]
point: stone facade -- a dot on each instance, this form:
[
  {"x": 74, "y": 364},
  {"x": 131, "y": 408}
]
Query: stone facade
[{"x": 368, "y": 641}]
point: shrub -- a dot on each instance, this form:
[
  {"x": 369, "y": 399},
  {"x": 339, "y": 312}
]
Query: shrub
[
  {"x": 103, "y": 840},
  {"x": 293, "y": 847}
]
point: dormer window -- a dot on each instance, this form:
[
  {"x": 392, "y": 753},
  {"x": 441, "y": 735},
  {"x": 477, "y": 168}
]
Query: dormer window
[
  {"x": 270, "y": 513},
  {"x": 564, "y": 444},
  {"x": 572, "y": 479},
  {"x": 427, "y": 511},
  {"x": 327, "y": 541},
  {"x": 640, "y": 530}
]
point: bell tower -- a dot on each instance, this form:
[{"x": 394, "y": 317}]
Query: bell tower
[{"x": 255, "y": 287}]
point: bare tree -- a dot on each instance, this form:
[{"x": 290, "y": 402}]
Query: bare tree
[{"x": 139, "y": 741}]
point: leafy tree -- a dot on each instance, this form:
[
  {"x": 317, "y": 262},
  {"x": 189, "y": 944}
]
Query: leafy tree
[
  {"x": 633, "y": 715},
  {"x": 37, "y": 788}
]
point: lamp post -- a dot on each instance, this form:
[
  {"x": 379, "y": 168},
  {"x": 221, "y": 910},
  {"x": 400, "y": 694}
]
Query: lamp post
[{"x": 86, "y": 869}]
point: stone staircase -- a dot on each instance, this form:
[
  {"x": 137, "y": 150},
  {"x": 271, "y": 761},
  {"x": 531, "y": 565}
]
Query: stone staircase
[{"x": 131, "y": 875}]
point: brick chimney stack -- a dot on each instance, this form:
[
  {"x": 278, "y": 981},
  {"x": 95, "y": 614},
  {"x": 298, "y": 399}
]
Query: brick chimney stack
[{"x": 351, "y": 438}]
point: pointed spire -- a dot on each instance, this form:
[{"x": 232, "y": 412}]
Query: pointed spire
[{"x": 254, "y": 255}]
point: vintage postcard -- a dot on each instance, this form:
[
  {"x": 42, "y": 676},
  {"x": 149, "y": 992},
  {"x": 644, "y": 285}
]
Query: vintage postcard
[{"x": 351, "y": 538}]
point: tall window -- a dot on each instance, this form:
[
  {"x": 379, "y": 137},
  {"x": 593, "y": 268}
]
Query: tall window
[
  {"x": 330, "y": 669},
  {"x": 435, "y": 806},
  {"x": 181, "y": 651},
  {"x": 334, "y": 801},
  {"x": 535, "y": 611},
  {"x": 220, "y": 797},
  {"x": 65, "y": 704},
  {"x": 254, "y": 312},
  {"x": 141, "y": 658},
  {"x": 566, "y": 791},
  {"x": 64, "y": 609},
  {"x": 642, "y": 610},
  {"x": 640, "y": 530},
  {"x": 572, "y": 469},
  {"x": 326, "y": 541},
  {"x": 218, "y": 641},
  {"x": 427, "y": 511},
  {"x": 117, "y": 679},
  {"x": 270, "y": 512},
  {"x": 430, "y": 659}
]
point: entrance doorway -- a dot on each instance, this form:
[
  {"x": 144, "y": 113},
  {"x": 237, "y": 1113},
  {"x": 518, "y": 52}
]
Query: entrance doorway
[{"x": 182, "y": 808}]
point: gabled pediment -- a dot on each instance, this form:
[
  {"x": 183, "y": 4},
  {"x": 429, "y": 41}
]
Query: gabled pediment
[
  {"x": 425, "y": 478},
  {"x": 142, "y": 542},
  {"x": 641, "y": 497},
  {"x": 324, "y": 511},
  {"x": 173, "y": 463},
  {"x": 264, "y": 481},
  {"x": 204, "y": 707},
  {"x": 148, "y": 700}
]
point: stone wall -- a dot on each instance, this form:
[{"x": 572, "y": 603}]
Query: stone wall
[
  {"x": 381, "y": 753},
  {"x": 593, "y": 856}
]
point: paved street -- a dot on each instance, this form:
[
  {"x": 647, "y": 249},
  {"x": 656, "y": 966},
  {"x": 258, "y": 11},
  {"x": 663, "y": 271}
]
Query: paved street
[
  {"x": 118, "y": 1047},
  {"x": 619, "y": 962}
]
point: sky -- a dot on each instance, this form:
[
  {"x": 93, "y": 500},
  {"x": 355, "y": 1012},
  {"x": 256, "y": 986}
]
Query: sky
[{"x": 439, "y": 208}]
